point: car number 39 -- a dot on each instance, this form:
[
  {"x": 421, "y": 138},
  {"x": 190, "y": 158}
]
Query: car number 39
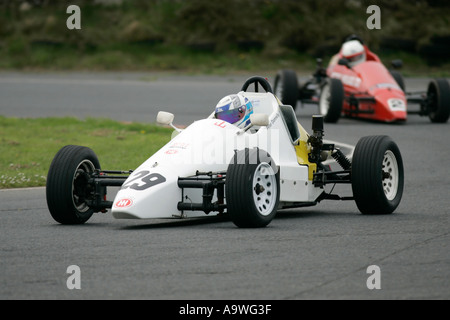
[{"x": 143, "y": 180}]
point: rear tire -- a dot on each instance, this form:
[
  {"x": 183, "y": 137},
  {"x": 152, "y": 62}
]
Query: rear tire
[
  {"x": 438, "y": 96},
  {"x": 331, "y": 100},
  {"x": 377, "y": 175},
  {"x": 67, "y": 186},
  {"x": 286, "y": 87},
  {"x": 252, "y": 189}
]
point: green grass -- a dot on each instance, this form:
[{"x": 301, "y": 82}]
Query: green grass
[
  {"x": 27, "y": 146},
  {"x": 160, "y": 58},
  {"x": 178, "y": 59}
]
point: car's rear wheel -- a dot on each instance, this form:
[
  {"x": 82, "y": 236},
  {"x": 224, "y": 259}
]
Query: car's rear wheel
[
  {"x": 331, "y": 100},
  {"x": 377, "y": 175},
  {"x": 438, "y": 97},
  {"x": 252, "y": 189},
  {"x": 286, "y": 87},
  {"x": 67, "y": 187}
]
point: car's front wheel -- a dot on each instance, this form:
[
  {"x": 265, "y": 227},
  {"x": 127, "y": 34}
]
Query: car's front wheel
[
  {"x": 68, "y": 190},
  {"x": 377, "y": 175},
  {"x": 252, "y": 189}
]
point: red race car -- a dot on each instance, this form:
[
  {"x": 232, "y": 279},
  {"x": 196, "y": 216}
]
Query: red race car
[{"x": 357, "y": 84}]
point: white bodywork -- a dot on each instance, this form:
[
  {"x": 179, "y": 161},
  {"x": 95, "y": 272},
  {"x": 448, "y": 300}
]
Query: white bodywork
[{"x": 151, "y": 191}]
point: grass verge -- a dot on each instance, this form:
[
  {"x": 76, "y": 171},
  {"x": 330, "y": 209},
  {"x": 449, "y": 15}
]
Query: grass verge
[
  {"x": 178, "y": 59},
  {"x": 27, "y": 146}
]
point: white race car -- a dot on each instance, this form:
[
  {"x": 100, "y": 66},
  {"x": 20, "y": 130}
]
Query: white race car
[{"x": 213, "y": 167}]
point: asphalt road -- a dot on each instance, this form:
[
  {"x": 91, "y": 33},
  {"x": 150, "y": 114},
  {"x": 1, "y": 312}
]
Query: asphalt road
[
  {"x": 120, "y": 96},
  {"x": 319, "y": 252}
]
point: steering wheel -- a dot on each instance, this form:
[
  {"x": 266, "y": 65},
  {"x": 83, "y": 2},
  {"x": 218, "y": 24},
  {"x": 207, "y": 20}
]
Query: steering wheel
[{"x": 257, "y": 80}]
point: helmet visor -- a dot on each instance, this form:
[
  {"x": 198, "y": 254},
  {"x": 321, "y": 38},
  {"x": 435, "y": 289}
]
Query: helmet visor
[
  {"x": 231, "y": 116},
  {"x": 356, "y": 57}
]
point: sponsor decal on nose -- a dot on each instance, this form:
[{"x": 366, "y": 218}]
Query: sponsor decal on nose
[{"x": 123, "y": 203}]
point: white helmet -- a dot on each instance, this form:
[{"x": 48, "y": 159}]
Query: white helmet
[
  {"x": 235, "y": 109},
  {"x": 354, "y": 52}
]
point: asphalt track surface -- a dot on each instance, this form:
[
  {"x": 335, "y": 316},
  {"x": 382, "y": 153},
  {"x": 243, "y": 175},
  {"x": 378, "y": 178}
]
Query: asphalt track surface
[{"x": 319, "y": 252}]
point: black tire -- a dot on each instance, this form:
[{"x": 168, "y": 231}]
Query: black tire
[
  {"x": 398, "y": 78},
  {"x": 331, "y": 100},
  {"x": 67, "y": 188},
  {"x": 375, "y": 191},
  {"x": 286, "y": 87},
  {"x": 438, "y": 96},
  {"x": 252, "y": 203}
]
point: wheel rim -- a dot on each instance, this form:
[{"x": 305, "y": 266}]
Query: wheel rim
[
  {"x": 324, "y": 103},
  {"x": 80, "y": 187},
  {"x": 390, "y": 175},
  {"x": 264, "y": 189}
]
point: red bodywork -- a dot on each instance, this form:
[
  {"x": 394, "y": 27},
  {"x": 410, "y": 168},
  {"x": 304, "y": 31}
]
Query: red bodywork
[{"x": 370, "y": 90}]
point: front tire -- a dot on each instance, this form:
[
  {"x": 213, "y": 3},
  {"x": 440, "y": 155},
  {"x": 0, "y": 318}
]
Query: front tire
[
  {"x": 377, "y": 175},
  {"x": 286, "y": 87},
  {"x": 438, "y": 96},
  {"x": 67, "y": 187},
  {"x": 252, "y": 189},
  {"x": 331, "y": 100}
]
